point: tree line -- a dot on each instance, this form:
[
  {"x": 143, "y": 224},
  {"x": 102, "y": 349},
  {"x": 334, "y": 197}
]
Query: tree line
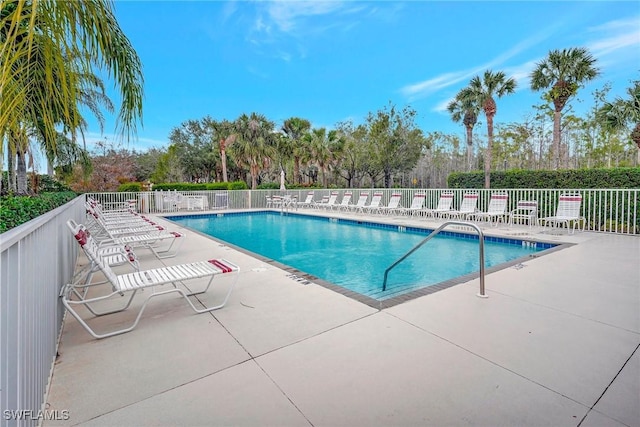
[{"x": 52, "y": 52}]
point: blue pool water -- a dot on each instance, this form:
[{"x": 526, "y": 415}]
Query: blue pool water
[{"x": 355, "y": 255}]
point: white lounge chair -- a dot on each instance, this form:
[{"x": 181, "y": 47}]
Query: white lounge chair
[
  {"x": 417, "y": 203},
  {"x": 333, "y": 198},
  {"x": 362, "y": 201},
  {"x": 111, "y": 254},
  {"x": 345, "y": 202},
  {"x": 130, "y": 283},
  {"x": 568, "y": 212},
  {"x": 525, "y": 211},
  {"x": 149, "y": 238},
  {"x": 467, "y": 207},
  {"x": 374, "y": 205},
  {"x": 393, "y": 206},
  {"x": 496, "y": 211},
  {"x": 444, "y": 205},
  {"x": 308, "y": 201}
]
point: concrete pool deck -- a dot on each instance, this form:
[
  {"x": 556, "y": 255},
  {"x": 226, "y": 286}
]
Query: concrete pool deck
[{"x": 556, "y": 343}]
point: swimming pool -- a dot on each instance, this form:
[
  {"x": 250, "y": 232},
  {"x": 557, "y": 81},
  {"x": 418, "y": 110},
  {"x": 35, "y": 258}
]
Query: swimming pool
[{"x": 354, "y": 254}]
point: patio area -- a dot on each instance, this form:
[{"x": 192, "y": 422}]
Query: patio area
[{"x": 556, "y": 343}]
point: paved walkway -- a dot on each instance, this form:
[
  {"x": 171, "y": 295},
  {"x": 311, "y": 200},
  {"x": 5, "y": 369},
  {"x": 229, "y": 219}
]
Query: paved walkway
[{"x": 556, "y": 343}]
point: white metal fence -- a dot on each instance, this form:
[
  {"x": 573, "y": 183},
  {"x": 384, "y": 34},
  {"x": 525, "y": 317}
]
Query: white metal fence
[
  {"x": 604, "y": 210},
  {"x": 36, "y": 259}
]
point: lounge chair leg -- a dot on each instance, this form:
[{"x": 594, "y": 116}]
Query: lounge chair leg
[{"x": 87, "y": 302}]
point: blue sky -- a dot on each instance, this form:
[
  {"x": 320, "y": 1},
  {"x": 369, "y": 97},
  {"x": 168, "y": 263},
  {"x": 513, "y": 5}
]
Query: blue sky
[{"x": 339, "y": 60}]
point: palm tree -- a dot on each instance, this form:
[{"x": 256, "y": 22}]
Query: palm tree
[
  {"x": 225, "y": 135},
  {"x": 295, "y": 128},
  {"x": 323, "y": 145},
  {"x": 562, "y": 73},
  {"x": 38, "y": 38},
  {"x": 481, "y": 92},
  {"x": 254, "y": 146},
  {"x": 465, "y": 110},
  {"x": 621, "y": 112}
]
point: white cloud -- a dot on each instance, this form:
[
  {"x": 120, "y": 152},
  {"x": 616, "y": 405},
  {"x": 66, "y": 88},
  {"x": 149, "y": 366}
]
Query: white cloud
[
  {"x": 287, "y": 14},
  {"x": 616, "y": 36},
  {"x": 434, "y": 84},
  {"x": 289, "y": 25}
]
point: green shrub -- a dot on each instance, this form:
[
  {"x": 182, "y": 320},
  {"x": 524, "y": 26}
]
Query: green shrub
[
  {"x": 573, "y": 178},
  {"x": 180, "y": 186},
  {"x": 131, "y": 187},
  {"x": 218, "y": 186},
  {"x": 212, "y": 186},
  {"x": 269, "y": 186},
  {"x": 238, "y": 185},
  {"x": 16, "y": 210}
]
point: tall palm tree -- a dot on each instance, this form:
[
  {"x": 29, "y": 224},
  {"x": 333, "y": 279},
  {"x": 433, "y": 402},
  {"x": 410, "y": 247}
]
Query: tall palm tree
[
  {"x": 321, "y": 143},
  {"x": 295, "y": 128},
  {"x": 224, "y": 133},
  {"x": 481, "y": 92},
  {"x": 562, "y": 73},
  {"x": 54, "y": 31},
  {"x": 621, "y": 112},
  {"x": 465, "y": 110},
  {"x": 254, "y": 146}
]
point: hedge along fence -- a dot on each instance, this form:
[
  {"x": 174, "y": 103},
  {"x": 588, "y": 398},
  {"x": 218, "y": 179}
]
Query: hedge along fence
[
  {"x": 16, "y": 210},
  {"x": 185, "y": 186},
  {"x": 607, "y": 210},
  {"x": 575, "y": 178}
]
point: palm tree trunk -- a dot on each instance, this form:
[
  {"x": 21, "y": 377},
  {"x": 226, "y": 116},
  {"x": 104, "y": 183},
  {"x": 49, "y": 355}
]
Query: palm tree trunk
[
  {"x": 223, "y": 158},
  {"x": 253, "y": 169},
  {"x": 296, "y": 170},
  {"x": 11, "y": 171},
  {"x": 557, "y": 115},
  {"x": 469, "y": 132},
  {"x": 21, "y": 173},
  {"x": 488, "y": 154}
]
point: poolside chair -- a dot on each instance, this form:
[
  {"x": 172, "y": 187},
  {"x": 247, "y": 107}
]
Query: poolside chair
[
  {"x": 362, "y": 201},
  {"x": 525, "y": 211},
  {"x": 467, "y": 207},
  {"x": 497, "y": 209},
  {"x": 142, "y": 237},
  {"x": 110, "y": 208},
  {"x": 568, "y": 212},
  {"x": 323, "y": 201},
  {"x": 172, "y": 201},
  {"x": 393, "y": 206},
  {"x": 444, "y": 205},
  {"x": 113, "y": 254},
  {"x": 374, "y": 205},
  {"x": 119, "y": 220},
  {"x": 333, "y": 198},
  {"x": 308, "y": 202},
  {"x": 276, "y": 202},
  {"x": 288, "y": 201},
  {"x": 345, "y": 202},
  {"x": 132, "y": 282},
  {"x": 416, "y": 204}
]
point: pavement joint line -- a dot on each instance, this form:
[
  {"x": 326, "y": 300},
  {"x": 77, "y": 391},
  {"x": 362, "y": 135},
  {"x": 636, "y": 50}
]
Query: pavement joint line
[
  {"x": 565, "y": 312},
  {"x": 490, "y": 361},
  {"x": 283, "y": 392},
  {"x": 313, "y": 335},
  {"x": 607, "y": 388}
]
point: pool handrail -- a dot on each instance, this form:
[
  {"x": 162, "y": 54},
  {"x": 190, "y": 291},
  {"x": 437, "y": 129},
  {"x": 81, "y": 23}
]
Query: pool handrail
[{"x": 433, "y": 234}]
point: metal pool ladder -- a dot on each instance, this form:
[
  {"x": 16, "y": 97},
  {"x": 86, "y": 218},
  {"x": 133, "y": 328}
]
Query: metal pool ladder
[{"x": 432, "y": 235}]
